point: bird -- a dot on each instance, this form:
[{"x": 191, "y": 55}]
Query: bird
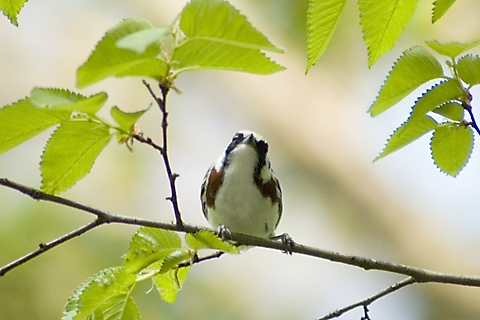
[{"x": 240, "y": 192}]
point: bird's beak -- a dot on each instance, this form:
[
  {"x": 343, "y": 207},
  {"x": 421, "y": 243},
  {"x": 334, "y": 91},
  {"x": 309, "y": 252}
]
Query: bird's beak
[{"x": 250, "y": 140}]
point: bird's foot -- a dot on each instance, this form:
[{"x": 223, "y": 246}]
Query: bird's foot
[{"x": 287, "y": 242}]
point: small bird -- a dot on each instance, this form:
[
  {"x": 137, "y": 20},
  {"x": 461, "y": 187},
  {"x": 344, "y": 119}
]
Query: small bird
[{"x": 240, "y": 192}]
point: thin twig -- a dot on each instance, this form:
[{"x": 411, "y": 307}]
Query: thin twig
[
  {"x": 161, "y": 102},
  {"x": 197, "y": 259},
  {"x": 366, "y": 302},
  {"x": 42, "y": 248},
  {"x": 467, "y": 105}
]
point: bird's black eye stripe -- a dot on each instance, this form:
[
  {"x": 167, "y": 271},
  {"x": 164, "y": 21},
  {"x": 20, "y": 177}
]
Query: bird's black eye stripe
[{"x": 262, "y": 149}]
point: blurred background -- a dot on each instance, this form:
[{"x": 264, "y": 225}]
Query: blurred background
[{"x": 322, "y": 143}]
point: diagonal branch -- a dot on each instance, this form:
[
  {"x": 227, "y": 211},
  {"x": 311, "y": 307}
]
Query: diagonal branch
[
  {"x": 366, "y": 302},
  {"x": 42, "y": 248}
]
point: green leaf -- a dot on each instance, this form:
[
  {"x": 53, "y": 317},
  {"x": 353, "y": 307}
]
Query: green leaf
[
  {"x": 419, "y": 123},
  {"x": 408, "y": 132},
  {"x": 205, "y": 239},
  {"x": 439, "y": 94},
  {"x": 105, "y": 290},
  {"x": 382, "y": 23},
  {"x": 107, "y": 60},
  {"x": 322, "y": 20},
  {"x": 141, "y": 40},
  {"x": 217, "y": 20},
  {"x": 119, "y": 307},
  {"x": 440, "y": 7},
  {"x": 452, "y": 49},
  {"x": 11, "y": 8},
  {"x": 168, "y": 284},
  {"x": 203, "y": 54},
  {"x": 126, "y": 120},
  {"x": 415, "y": 67},
  {"x": 71, "y": 152},
  {"x": 218, "y": 37},
  {"x": 150, "y": 245},
  {"x": 21, "y": 121},
  {"x": 67, "y": 100},
  {"x": 468, "y": 68},
  {"x": 451, "y": 110},
  {"x": 451, "y": 146},
  {"x": 174, "y": 259}
]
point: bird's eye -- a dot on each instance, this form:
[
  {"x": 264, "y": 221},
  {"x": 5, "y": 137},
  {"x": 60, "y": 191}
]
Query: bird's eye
[{"x": 238, "y": 137}]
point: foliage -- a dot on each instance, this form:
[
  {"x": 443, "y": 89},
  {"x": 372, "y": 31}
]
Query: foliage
[
  {"x": 452, "y": 139},
  {"x": 11, "y": 8},
  {"x": 207, "y": 35},
  {"x": 131, "y": 48},
  {"x": 382, "y": 21},
  {"x": 155, "y": 255},
  {"x": 213, "y": 35}
]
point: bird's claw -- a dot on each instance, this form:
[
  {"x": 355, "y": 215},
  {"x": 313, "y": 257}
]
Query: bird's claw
[
  {"x": 287, "y": 242},
  {"x": 224, "y": 233}
]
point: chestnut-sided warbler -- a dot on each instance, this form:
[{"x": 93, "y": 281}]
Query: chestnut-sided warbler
[{"x": 240, "y": 192}]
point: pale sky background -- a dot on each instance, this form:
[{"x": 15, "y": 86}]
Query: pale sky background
[{"x": 322, "y": 143}]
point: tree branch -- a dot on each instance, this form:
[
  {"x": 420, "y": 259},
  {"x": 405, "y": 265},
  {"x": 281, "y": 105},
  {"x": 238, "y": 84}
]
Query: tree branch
[
  {"x": 42, "y": 248},
  {"x": 366, "y": 302},
  {"x": 161, "y": 102},
  {"x": 467, "y": 105},
  {"x": 418, "y": 274}
]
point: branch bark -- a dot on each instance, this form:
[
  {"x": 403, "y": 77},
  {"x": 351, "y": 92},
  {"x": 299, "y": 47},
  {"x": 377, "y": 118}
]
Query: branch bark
[{"x": 103, "y": 217}]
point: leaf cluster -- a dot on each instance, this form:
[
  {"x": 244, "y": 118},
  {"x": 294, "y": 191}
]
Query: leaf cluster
[
  {"x": 207, "y": 35},
  {"x": 452, "y": 139},
  {"x": 382, "y": 22},
  {"x": 154, "y": 254}
]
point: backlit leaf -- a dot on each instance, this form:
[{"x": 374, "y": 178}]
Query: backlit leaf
[
  {"x": 67, "y": 100},
  {"x": 118, "y": 307},
  {"x": 11, "y": 8},
  {"x": 468, "y": 68},
  {"x": 382, "y": 23},
  {"x": 150, "y": 245},
  {"x": 452, "y": 49},
  {"x": 322, "y": 20},
  {"x": 407, "y": 133},
  {"x": 22, "y": 120},
  {"x": 203, "y": 54},
  {"x": 415, "y": 67},
  {"x": 140, "y": 41},
  {"x": 174, "y": 259},
  {"x": 218, "y": 20},
  {"x": 126, "y": 120},
  {"x": 218, "y": 37},
  {"x": 451, "y": 110},
  {"x": 108, "y": 60},
  {"x": 439, "y": 94},
  {"x": 107, "y": 289},
  {"x": 451, "y": 146},
  {"x": 440, "y": 7},
  {"x": 168, "y": 284},
  {"x": 71, "y": 152},
  {"x": 205, "y": 239}
]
